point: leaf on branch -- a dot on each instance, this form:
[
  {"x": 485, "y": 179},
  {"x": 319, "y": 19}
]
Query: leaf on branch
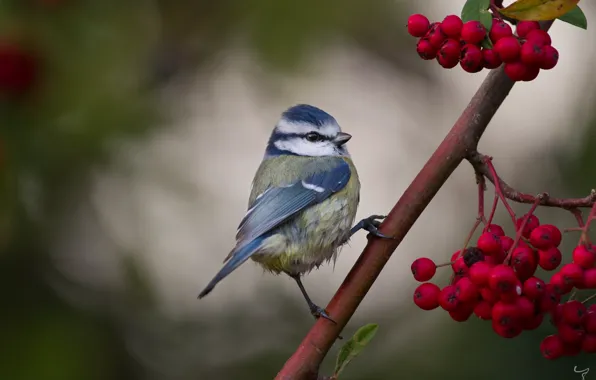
[
  {"x": 354, "y": 346},
  {"x": 575, "y": 17},
  {"x": 475, "y": 9},
  {"x": 538, "y": 10}
]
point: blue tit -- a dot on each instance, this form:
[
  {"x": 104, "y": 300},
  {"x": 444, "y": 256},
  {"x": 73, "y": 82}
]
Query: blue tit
[{"x": 303, "y": 201}]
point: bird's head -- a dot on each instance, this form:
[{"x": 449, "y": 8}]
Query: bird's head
[{"x": 304, "y": 130}]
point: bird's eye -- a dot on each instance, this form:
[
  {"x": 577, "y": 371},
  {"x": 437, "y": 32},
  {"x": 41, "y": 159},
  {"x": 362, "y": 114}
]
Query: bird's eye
[{"x": 313, "y": 137}]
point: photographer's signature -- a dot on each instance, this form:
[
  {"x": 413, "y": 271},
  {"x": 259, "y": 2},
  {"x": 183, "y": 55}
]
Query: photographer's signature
[{"x": 583, "y": 372}]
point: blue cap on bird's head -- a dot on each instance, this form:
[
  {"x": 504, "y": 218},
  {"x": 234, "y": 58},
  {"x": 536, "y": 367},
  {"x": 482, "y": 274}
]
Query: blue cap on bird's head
[{"x": 305, "y": 130}]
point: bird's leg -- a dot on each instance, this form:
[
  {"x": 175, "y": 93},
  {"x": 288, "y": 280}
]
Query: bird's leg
[
  {"x": 315, "y": 310},
  {"x": 370, "y": 224}
]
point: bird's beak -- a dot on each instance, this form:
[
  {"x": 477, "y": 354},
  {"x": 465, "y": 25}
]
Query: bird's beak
[{"x": 342, "y": 138}]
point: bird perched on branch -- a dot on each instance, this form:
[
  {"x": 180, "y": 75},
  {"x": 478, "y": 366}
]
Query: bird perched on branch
[{"x": 303, "y": 201}]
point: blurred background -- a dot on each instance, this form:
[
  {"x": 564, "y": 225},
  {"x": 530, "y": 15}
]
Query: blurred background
[{"x": 129, "y": 135}]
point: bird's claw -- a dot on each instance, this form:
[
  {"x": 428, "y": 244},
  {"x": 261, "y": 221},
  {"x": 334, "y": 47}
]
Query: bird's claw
[
  {"x": 319, "y": 312},
  {"x": 371, "y": 224}
]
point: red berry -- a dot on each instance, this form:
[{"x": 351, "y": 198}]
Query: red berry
[
  {"x": 524, "y": 27},
  {"x": 456, "y": 255},
  {"x": 516, "y": 71},
  {"x": 507, "y": 243},
  {"x": 524, "y": 262},
  {"x": 491, "y": 60},
  {"x": 531, "y": 73},
  {"x": 573, "y": 312},
  {"x": 484, "y": 310},
  {"x": 435, "y": 35},
  {"x": 531, "y": 224},
  {"x": 479, "y": 273},
  {"x": 550, "y": 259},
  {"x": 471, "y": 58},
  {"x": 489, "y": 243},
  {"x": 550, "y": 299},
  {"x": 539, "y": 37},
  {"x": 572, "y": 349},
  {"x": 448, "y": 298},
  {"x": 532, "y": 54},
  {"x": 571, "y": 334},
  {"x": 550, "y": 57},
  {"x": 508, "y": 49},
  {"x": 463, "y": 312},
  {"x": 584, "y": 256},
  {"x": 473, "y": 32},
  {"x": 507, "y": 332},
  {"x": 418, "y": 25},
  {"x": 525, "y": 308},
  {"x": 495, "y": 228},
  {"x": 425, "y": 50},
  {"x": 589, "y": 280},
  {"x": 589, "y": 343},
  {"x": 533, "y": 288},
  {"x": 552, "y": 347},
  {"x": 560, "y": 284},
  {"x": 423, "y": 269},
  {"x": 534, "y": 322},
  {"x": 543, "y": 237},
  {"x": 556, "y": 234},
  {"x": 489, "y": 295},
  {"x": 512, "y": 295},
  {"x": 506, "y": 314},
  {"x": 572, "y": 273},
  {"x": 499, "y": 29},
  {"x": 466, "y": 290},
  {"x": 459, "y": 267},
  {"x": 426, "y": 296},
  {"x": 452, "y": 26},
  {"x": 590, "y": 322},
  {"x": 502, "y": 279},
  {"x": 448, "y": 56}
]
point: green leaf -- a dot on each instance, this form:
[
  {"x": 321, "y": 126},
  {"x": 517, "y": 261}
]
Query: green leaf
[
  {"x": 575, "y": 17},
  {"x": 486, "y": 43},
  {"x": 354, "y": 346},
  {"x": 473, "y": 9}
]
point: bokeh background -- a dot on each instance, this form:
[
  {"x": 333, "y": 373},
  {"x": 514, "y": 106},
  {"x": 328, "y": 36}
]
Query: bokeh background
[{"x": 130, "y": 132}]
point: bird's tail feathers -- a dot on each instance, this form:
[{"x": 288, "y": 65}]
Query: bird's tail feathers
[{"x": 234, "y": 260}]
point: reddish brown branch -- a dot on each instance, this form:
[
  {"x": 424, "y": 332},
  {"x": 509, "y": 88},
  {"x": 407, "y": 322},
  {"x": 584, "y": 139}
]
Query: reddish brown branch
[
  {"x": 461, "y": 140},
  {"x": 479, "y": 162}
]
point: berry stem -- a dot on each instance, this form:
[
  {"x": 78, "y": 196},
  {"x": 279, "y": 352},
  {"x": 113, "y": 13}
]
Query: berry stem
[
  {"x": 493, "y": 210},
  {"x": 519, "y": 231},
  {"x": 493, "y": 172},
  {"x": 572, "y": 295},
  {"x": 577, "y": 213},
  {"x": 589, "y": 298},
  {"x": 444, "y": 264},
  {"x": 481, "y": 188}
]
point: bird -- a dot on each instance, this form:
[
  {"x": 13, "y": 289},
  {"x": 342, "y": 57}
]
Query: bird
[{"x": 303, "y": 201}]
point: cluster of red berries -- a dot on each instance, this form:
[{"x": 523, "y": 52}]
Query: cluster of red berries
[
  {"x": 496, "y": 281},
  {"x": 454, "y": 42}
]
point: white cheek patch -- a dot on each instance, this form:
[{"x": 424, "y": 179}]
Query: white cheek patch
[
  {"x": 302, "y": 147},
  {"x": 288, "y": 127}
]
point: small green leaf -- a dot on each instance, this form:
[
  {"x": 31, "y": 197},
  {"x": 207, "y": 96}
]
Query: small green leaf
[
  {"x": 473, "y": 8},
  {"x": 486, "y": 43},
  {"x": 575, "y": 17},
  {"x": 486, "y": 19},
  {"x": 354, "y": 346}
]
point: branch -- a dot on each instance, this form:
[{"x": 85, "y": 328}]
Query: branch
[
  {"x": 478, "y": 161},
  {"x": 460, "y": 141}
]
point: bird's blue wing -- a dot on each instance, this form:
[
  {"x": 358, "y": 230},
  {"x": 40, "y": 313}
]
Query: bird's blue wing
[
  {"x": 278, "y": 204},
  {"x": 275, "y": 206}
]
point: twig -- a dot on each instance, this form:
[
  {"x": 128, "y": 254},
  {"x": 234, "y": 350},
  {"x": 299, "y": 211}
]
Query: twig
[
  {"x": 460, "y": 141},
  {"x": 477, "y": 160},
  {"x": 488, "y": 162},
  {"x": 520, "y": 229}
]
